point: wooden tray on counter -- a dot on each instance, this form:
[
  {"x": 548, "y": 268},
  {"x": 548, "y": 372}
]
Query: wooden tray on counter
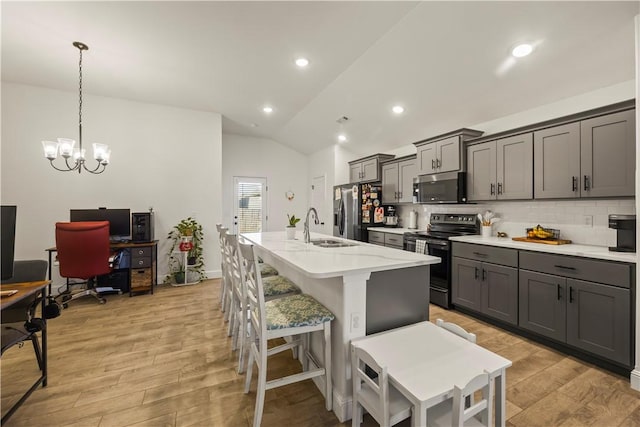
[{"x": 546, "y": 242}]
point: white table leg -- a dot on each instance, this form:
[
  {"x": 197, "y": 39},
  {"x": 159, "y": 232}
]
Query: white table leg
[
  {"x": 501, "y": 404},
  {"x": 419, "y": 416}
]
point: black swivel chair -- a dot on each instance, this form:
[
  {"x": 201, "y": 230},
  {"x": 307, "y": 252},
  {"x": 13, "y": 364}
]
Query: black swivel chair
[{"x": 18, "y": 322}]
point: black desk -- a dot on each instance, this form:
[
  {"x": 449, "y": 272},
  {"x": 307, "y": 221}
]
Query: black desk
[
  {"x": 142, "y": 270},
  {"x": 26, "y": 290}
]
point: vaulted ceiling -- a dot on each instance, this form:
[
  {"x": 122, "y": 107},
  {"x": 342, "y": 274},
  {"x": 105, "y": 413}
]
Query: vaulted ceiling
[{"x": 447, "y": 63}]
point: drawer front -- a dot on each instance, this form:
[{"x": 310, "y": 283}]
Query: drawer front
[
  {"x": 376, "y": 237},
  {"x": 140, "y": 278},
  {"x": 610, "y": 273},
  {"x": 140, "y": 262},
  {"x": 501, "y": 256},
  {"x": 395, "y": 240},
  {"x": 141, "y": 251}
]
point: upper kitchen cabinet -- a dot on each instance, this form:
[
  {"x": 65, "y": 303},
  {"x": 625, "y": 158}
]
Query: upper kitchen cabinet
[
  {"x": 397, "y": 180},
  {"x": 501, "y": 169},
  {"x": 367, "y": 169},
  {"x": 443, "y": 153},
  {"x": 590, "y": 158}
]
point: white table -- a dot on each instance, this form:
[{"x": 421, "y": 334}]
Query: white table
[{"x": 425, "y": 361}]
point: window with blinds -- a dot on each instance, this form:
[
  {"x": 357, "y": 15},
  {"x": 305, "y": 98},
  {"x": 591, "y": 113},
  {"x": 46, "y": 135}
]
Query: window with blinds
[{"x": 249, "y": 206}]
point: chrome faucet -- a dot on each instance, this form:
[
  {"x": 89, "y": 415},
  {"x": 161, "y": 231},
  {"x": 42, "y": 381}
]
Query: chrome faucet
[{"x": 307, "y": 234}]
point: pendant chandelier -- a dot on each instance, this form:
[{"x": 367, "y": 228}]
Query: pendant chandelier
[{"x": 65, "y": 146}]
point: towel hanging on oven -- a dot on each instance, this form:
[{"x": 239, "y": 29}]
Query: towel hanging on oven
[{"x": 421, "y": 245}]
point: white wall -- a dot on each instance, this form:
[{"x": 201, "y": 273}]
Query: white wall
[
  {"x": 284, "y": 169},
  {"x": 321, "y": 163},
  {"x": 163, "y": 157}
]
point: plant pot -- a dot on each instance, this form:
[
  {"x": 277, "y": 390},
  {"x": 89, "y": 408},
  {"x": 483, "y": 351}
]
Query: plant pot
[
  {"x": 178, "y": 276},
  {"x": 291, "y": 233},
  {"x": 192, "y": 260},
  {"x": 186, "y": 243}
]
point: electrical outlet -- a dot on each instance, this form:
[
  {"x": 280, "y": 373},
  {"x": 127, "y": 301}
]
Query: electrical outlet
[
  {"x": 587, "y": 220},
  {"x": 355, "y": 321}
]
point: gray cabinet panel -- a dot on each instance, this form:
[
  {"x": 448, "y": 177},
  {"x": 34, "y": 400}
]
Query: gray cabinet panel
[
  {"x": 599, "y": 320},
  {"x": 355, "y": 172},
  {"x": 612, "y": 273},
  {"x": 542, "y": 304},
  {"x": 407, "y": 171},
  {"x": 481, "y": 171},
  {"x": 426, "y": 158},
  {"x": 390, "y": 183},
  {"x": 448, "y": 154},
  {"x": 370, "y": 170},
  {"x": 608, "y": 155},
  {"x": 500, "y": 292},
  {"x": 393, "y": 240},
  {"x": 492, "y": 254},
  {"x": 556, "y": 153},
  {"x": 514, "y": 167},
  {"x": 376, "y": 237},
  {"x": 466, "y": 286}
]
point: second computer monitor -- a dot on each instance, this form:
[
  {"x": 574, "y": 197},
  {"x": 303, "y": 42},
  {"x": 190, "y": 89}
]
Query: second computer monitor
[{"x": 119, "y": 220}]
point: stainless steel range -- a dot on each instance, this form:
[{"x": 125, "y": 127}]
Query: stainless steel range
[{"x": 441, "y": 227}]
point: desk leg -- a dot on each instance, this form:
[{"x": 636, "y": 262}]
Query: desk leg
[
  {"x": 44, "y": 338},
  {"x": 501, "y": 405}
]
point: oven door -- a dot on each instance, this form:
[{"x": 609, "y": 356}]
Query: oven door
[{"x": 440, "y": 285}]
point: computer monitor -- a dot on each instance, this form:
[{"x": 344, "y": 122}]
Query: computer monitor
[
  {"x": 119, "y": 220},
  {"x": 8, "y": 238}
]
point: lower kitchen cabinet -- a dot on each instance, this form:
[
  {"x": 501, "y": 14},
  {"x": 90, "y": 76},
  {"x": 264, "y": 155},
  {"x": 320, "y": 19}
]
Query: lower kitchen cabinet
[
  {"x": 487, "y": 288},
  {"x": 590, "y": 316}
]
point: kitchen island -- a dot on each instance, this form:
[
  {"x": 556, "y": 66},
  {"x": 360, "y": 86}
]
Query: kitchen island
[{"x": 368, "y": 288}]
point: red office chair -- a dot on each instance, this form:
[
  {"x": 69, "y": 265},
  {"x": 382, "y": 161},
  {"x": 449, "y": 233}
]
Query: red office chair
[{"x": 83, "y": 252}]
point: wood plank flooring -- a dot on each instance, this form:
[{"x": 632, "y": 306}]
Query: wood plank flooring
[{"x": 165, "y": 360}]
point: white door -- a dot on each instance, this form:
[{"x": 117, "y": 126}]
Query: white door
[
  {"x": 318, "y": 201},
  {"x": 249, "y": 204}
]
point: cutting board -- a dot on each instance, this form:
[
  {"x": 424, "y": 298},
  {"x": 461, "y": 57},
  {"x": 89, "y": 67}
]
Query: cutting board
[{"x": 546, "y": 242}]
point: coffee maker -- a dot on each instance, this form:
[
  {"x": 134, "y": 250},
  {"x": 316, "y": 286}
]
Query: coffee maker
[{"x": 625, "y": 226}]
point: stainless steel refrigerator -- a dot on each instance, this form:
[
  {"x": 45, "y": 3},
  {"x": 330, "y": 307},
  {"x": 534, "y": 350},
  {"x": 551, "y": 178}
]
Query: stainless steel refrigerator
[{"x": 355, "y": 208}]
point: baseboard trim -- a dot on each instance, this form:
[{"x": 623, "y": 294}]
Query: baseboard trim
[
  {"x": 341, "y": 405},
  {"x": 635, "y": 379},
  {"x": 213, "y": 274}
]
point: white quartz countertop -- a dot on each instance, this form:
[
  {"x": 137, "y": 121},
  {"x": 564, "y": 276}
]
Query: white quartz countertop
[
  {"x": 319, "y": 262},
  {"x": 393, "y": 230},
  {"x": 586, "y": 251}
]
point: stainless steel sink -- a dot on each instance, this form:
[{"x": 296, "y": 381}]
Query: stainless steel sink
[{"x": 331, "y": 243}]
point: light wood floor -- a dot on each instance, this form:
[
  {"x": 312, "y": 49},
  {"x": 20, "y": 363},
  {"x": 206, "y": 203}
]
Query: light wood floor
[{"x": 165, "y": 360}]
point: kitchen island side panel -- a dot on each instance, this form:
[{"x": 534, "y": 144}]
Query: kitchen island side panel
[{"x": 397, "y": 298}]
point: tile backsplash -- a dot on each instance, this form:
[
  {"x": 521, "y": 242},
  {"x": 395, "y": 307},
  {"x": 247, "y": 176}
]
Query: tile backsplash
[{"x": 581, "y": 221}]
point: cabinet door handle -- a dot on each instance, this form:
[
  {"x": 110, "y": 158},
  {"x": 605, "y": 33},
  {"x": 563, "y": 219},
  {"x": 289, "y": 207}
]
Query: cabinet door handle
[
  {"x": 565, "y": 267},
  {"x": 479, "y": 254},
  {"x": 499, "y": 188},
  {"x": 399, "y": 194},
  {"x": 570, "y": 293},
  {"x": 493, "y": 189},
  {"x": 484, "y": 274},
  {"x": 587, "y": 184},
  {"x": 433, "y": 164},
  {"x": 574, "y": 183},
  {"x": 438, "y": 163},
  {"x": 558, "y": 290},
  {"x": 476, "y": 273}
]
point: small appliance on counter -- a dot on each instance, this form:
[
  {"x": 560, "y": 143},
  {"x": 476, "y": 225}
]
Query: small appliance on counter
[
  {"x": 625, "y": 226},
  {"x": 413, "y": 220},
  {"x": 391, "y": 220}
]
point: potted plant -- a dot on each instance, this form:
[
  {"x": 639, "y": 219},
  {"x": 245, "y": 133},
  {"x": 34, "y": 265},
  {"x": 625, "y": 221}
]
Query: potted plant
[
  {"x": 291, "y": 228},
  {"x": 186, "y": 236}
]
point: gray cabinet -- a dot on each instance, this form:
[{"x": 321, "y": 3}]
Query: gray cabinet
[
  {"x": 443, "y": 153},
  {"x": 607, "y": 155},
  {"x": 594, "y": 317},
  {"x": 590, "y": 158},
  {"x": 376, "y": 237},
  {"x": 397, "y": 180},
  {"x": 484, "y": 286},
  {"x": 367, "y": 169},
  {"x": 392, "y": 240},
  {"x": 501, "y": 169}
]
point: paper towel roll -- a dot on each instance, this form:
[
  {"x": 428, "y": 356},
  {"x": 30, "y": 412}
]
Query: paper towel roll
[{"x": 413, "y": 219}]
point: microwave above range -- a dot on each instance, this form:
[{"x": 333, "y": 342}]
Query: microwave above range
[{"x": 450, "y": 187}]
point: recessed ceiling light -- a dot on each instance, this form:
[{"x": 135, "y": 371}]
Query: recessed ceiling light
[
  {"x": 398, "y": 109},
  {"x": 522, "y": 50},
  {"x": 342, "y": 137},
  {"x": 302, "y": 62},
  {"x": 267, "y": 109}
]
